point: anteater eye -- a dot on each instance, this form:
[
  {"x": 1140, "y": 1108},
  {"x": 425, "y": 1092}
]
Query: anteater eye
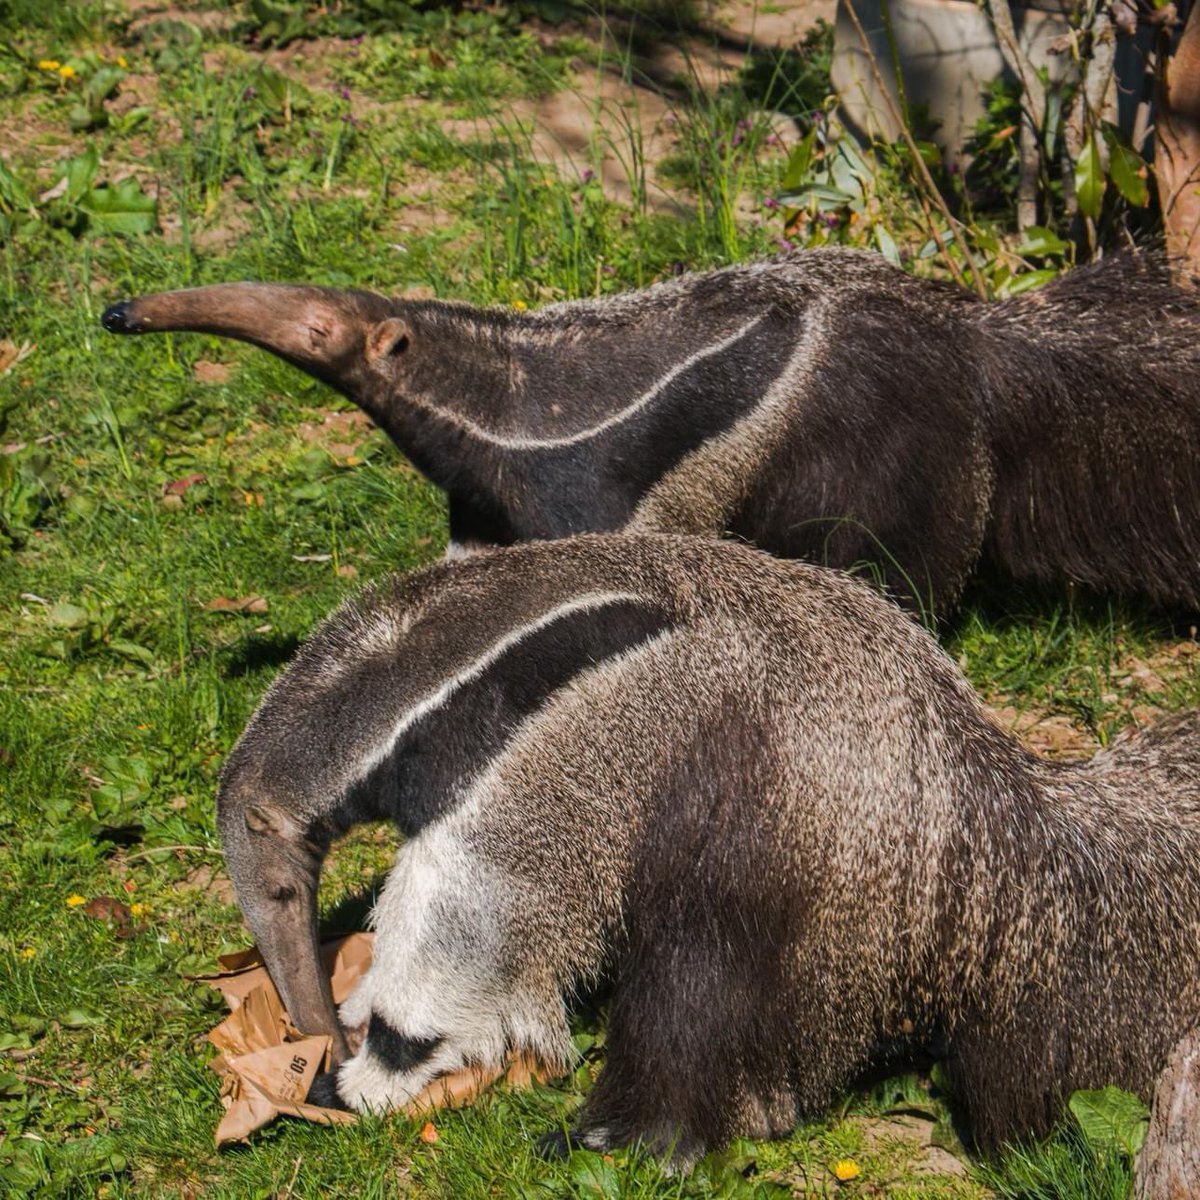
[{"x": 282, "y": 892}]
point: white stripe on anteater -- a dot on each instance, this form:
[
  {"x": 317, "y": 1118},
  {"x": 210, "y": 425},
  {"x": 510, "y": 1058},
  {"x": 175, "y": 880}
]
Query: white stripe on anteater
[
  {"x": 702, "y": 491},
  {"x": 519, "y": 442},
  {"x": 497, "y": 650}
]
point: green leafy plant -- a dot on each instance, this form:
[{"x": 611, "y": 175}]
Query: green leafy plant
[
  {"x": 1090, "y": 1159},
  {"x": 28, "y": 489},
  {"x": 78, "y": 203},
  {"x": 1111, "y": 1120}
]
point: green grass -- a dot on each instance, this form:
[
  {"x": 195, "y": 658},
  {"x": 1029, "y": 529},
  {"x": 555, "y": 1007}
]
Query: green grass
[{"x": 121, "y": 688}]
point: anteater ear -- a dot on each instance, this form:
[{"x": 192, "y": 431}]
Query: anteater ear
[{"x": 388, "y": 339}]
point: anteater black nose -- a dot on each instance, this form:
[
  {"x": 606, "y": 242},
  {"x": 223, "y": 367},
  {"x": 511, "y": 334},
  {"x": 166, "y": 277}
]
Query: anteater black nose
[
  {"x": 324, "y": 1092},
  {"x": 119, "y": 318}
]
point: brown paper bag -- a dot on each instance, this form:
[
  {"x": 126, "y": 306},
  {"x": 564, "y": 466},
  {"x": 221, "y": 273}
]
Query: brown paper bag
[{"x": 267, "y": 1066}]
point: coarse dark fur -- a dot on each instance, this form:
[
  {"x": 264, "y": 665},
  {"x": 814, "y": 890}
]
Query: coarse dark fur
[
  {"x": 821, "y": 405},
  {"x": 758, "y": 797}
]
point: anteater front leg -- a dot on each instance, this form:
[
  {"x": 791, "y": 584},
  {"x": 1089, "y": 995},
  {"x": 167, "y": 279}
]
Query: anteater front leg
[
  {"x": 443, "y": 993},
  {"x": 692, "y": 1060}
]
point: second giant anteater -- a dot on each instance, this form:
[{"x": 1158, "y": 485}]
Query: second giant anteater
[{"x": 822, "y": 405}]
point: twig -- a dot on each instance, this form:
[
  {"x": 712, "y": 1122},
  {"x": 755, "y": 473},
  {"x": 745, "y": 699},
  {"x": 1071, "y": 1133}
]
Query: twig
[
  {"x": 167, "y": 849},
  {"x": 38, "y": 1081},
  {"x": 295, "y": 1172},
  {"x": 1033, "y": 112},
  {"x": 922, "y": 170}
]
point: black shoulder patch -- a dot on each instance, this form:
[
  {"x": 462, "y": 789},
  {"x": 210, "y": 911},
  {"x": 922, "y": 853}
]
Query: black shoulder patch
[
  {"x": 596, "y": 484},
  {"x": 395, "y": 1050},
  {"x": 444, "y": 750}
]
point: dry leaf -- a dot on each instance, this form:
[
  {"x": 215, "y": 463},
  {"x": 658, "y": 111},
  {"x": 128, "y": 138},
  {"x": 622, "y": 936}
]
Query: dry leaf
[
  {"x": 11, "y": 354},
  {"x": 429, "y": 1132},
  {"x": 210, "y": 372},
  {"x": 59, "y": 189},
  {"x": 239, "y": 604},
  {"x": 267, "y": 1067},
  {"x": 177, "y": 487},
  {"x": 106, "y": 908}
]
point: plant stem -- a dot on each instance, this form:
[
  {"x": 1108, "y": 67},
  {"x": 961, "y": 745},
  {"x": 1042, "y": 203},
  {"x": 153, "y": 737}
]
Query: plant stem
[
  {"x": 924, "y": 178},
  {"x": 1033, "y": 112}
]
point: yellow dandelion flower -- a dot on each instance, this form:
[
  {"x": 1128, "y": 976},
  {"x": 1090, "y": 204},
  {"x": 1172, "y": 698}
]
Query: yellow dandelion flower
[
  {"x": 121, "y": 61},
  {"x": 520, "y": 305},
  {"x": 48, "y": 64},
  {"x": 75, "y": 900},
  {"x": 846, "y": 1169},
  {"x": 28, "y": 953},
  {"x": 138, "y": 910},
  {"x": 66, "y": 72}
]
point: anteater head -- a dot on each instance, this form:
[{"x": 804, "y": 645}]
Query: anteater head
[
  {"x": 360, "y": 343},
  {"x": 274, "y": 860},
  {"x": 391, "y": 711}
]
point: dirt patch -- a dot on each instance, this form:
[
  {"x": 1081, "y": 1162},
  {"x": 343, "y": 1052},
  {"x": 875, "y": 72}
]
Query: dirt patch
[
  {"x": 340, "y": 433},
  {"x": 1054, "y": 735},
  {"x": 1142, "y": 694},
  {"x": 595, "y": 126},
  {"x": 760, "y": 26},
  {"x": 614, "y": 122},
  {"x": 214, "y": 21},
  {"x": 918, "y": 1134},
  {"x": 35, "y": 132},
  {"x": 211, "y": 882}
]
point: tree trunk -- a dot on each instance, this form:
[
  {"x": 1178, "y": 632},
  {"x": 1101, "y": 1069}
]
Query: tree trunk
[
  {"x": 1177, "y": 154},
  {"x": 1168, "y": 1167}
]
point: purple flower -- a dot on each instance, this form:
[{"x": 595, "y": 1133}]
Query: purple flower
[
  {"x": 786, "y": 244},
  {"x": 832, "y": 220},
  {"x": 344, "y": 93},
  {"x": 770, "y": 202},
  {"x": 587, "y": 175}
]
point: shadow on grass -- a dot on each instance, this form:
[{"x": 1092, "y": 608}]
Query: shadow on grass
[
  {"x": 1000, "y": 601},
  {"x": 350, "y": 914},
  {"x": 260, "y": 652}
]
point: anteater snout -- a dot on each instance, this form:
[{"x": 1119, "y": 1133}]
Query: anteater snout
[{"x": 120, "y": 318}]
